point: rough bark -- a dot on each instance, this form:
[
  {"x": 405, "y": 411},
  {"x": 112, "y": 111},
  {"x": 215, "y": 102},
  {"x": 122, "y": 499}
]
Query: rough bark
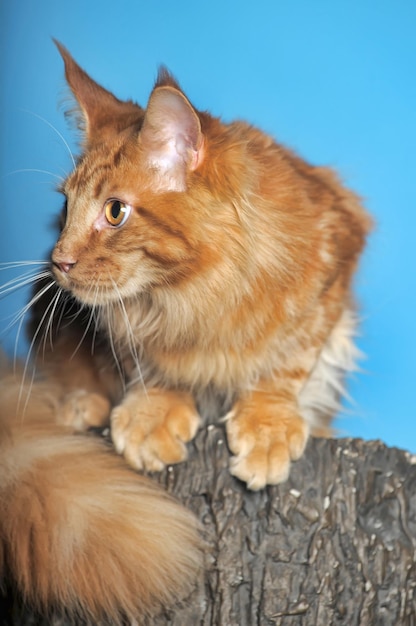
[{"x": 335, "y": 544}]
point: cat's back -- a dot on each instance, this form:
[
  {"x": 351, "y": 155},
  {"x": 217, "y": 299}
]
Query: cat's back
[{"x": 246, "y": 160}]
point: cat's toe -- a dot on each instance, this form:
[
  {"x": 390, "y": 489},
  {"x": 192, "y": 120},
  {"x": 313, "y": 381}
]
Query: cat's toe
[
  {"x": 82, "y": 409},
  {"x": 155, "y": 451},
  {"x": 262, "y": 467},
  {"x": 182, "y": 423},
  {"x": 297, "y": 435},
  {"x": 150, "y": 442},
  {"x": 121, "y": 419},
  {"x": 254, "y": 475},
  {"x": 264, "y": 445}
]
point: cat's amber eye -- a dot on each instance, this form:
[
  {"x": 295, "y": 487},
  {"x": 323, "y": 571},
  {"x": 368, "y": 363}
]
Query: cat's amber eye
[{"x": 116, "y": 212}]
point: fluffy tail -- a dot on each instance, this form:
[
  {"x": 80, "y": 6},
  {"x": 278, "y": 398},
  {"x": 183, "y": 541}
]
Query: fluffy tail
[{"x": 79, "y": 531}]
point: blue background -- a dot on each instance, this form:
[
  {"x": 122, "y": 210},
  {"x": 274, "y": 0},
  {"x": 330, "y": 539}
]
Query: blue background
[{"x": 333, "y": 79}]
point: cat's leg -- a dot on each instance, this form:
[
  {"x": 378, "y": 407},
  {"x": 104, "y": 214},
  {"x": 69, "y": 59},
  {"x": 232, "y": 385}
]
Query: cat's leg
[
  {"x": 268, "y": 427},
  {"x": 70, "y": 355},
  {"x": 151, "y": 427},
  {"x": 265, "y": 432},
  {"x": 85, "y": 384}
]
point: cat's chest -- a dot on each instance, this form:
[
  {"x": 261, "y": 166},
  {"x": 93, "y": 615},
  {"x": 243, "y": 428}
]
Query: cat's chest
[
  {"x": 196, "y": 367},
  {"x": 226, "y": 368},
  {"x": 161, "y": 353}
]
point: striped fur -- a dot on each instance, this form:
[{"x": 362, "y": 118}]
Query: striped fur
[{"x": 201, "y": 269}]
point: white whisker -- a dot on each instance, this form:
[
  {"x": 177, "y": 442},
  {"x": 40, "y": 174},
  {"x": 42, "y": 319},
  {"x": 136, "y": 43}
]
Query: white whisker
[
  {"x": 78, "y": 307},
  {"x": 112, "y": 346},
  {"x": 49, "y": 325},
  {"x": 66, "y": 297},
  {"x": 36, "y": 171},
  {"x": 7, "y": 265},
  {"x": 84, "y": 334},
  {"x": 20, "y": 314},
  {"x": 130, "y": 335},
  {"x": 95, "y": 318},
  {"x": 18, "y": 318},
  {"x": 61, "y": 137},
  {"x": 21, "y": 281},
  {"x": 32, "y": 343}
]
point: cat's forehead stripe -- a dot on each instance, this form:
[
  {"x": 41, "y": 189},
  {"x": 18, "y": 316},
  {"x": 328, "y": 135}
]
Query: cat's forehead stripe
[
  {"x": 99, "y": 186},
  {"x": 87, "y": 171}
]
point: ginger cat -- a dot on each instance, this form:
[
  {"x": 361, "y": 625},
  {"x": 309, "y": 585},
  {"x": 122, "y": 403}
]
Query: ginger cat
[{"x": 202, "y": 270}]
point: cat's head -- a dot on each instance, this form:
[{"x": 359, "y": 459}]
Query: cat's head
[{"x": 135, "y": 200}]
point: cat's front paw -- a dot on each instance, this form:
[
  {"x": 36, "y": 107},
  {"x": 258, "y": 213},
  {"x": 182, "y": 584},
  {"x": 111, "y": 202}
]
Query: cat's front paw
[
  {"x": 151, "y": 428},
  {"x": 264, "y": 440},
  {"x": 83, "y": 409}
]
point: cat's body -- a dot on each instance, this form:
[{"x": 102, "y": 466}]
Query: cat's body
[{"x": 211, "y": 271}]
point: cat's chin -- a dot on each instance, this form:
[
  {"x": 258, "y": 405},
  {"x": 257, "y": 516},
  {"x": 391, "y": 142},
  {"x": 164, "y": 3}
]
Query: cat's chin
[
  {"x": 104, "y": 298},
  {"x": 94, "y": 294},
  {"x": 98, "y": 297},
  {"x": 88, "y": 296}
]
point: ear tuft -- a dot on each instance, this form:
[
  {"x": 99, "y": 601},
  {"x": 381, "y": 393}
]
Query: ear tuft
[
  {"x": 166, "y": 79},
  {"x": 100, "y": 113}
]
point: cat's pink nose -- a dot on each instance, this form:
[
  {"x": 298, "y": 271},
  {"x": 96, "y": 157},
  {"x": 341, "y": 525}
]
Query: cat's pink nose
[
  {"x": 63, "y": 261},
  {"x": 64, "y": 267}
]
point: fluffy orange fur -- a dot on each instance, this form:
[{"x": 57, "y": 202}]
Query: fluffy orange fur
[
  {"x": 201, "y": 268},
  {"x": 79, "y": 530}
]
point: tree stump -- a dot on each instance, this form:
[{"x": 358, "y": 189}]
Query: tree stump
[{"x": 334, "y": 545}]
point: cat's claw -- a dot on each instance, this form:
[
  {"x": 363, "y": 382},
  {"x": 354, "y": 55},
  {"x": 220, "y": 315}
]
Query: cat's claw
[
  {"x": 264, "y": 446},
  {"x": 151, "y": 429}
]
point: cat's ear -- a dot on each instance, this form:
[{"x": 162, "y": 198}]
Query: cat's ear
[
  {"x": 171, "y": 134},
  {"x": 101, "y": 114}
]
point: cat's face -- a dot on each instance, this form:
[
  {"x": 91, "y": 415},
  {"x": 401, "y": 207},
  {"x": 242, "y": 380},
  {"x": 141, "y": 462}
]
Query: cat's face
[
  {"x": 122, "y": 234},
  {"x": 131, "y": 224}
]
